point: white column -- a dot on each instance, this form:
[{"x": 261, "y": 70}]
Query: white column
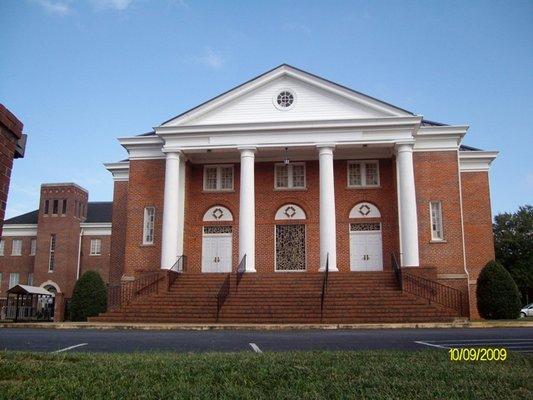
[
  {"x": 247, "y": 208},
  {"x": 407, "y": 206},
  {"x": 328, "y": 235},
  {"x": 169, "y": 244}
]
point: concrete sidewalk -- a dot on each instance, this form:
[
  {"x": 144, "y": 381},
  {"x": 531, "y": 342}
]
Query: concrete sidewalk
[{"x": 460, "y": 323}]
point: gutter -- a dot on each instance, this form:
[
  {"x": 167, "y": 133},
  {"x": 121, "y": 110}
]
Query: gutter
[{"x": 79, "y": 255}]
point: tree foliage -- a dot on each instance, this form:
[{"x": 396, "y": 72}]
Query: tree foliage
[
  {"x": 89, "y": 297},
  {"x": 513, "y": 241},
  {"x": 497, "y": 294}
]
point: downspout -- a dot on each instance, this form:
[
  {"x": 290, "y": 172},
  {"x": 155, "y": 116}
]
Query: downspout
[
  {"x": 463, "y": 233},
  {"x": 79, "y": 255}
]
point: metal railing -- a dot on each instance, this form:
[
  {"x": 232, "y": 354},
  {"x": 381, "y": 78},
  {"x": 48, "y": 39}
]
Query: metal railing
[
  {"x": 241, "y": 268},
  {"x": 433, "y": 291},
  {"x": 223, "y": 293},
  {"x": 324, "y": 286},
  {"x": 124, "y": 293},
  {"x": 179, "y": 267},
  {"x": 397, "y": 270}
]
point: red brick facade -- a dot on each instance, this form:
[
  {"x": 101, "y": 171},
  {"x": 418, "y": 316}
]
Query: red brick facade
[
  {"x": 66, "y": 224},
  {"x": 10, "y": 133},
  {"x": 118, "y": 240}
]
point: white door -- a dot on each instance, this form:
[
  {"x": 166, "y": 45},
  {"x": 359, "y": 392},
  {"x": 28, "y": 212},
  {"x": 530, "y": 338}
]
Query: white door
[
  {"x": 216, "y": 253},
  {"x": 365, "y": 248}
]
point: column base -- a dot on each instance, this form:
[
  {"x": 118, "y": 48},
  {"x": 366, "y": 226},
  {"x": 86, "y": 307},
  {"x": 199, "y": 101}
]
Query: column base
[{"x": 322, "y": 269}]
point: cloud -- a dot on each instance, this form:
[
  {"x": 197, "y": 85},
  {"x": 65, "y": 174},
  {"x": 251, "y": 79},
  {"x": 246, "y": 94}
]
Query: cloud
[
  {"x": 119, "y": 5},
  {"x": 211, "y": 58},
  {"x": 60, "y": 8},
  {"x": 296, "y": 27}
]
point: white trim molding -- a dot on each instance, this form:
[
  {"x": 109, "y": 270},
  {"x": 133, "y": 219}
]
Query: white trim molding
[
  {"x": 22, "y": 230},
  {"x": 439, "y": 138},
  {"x": 143, "y": 147},
  {"x": 96, "y": 228},
  {"x": 476, "y": 161},
  {"x": 119, "y": 170}
]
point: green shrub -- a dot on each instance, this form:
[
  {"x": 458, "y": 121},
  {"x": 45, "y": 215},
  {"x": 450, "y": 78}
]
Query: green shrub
[
  {"x": 89, "y": 297},
  {"x": 497, "y": 294}
]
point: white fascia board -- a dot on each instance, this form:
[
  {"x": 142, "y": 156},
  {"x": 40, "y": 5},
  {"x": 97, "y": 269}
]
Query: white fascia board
[
  {"x": 439, "y": 138},
  {"x": 476, "y": 161},
  {"x": 285, "y": 70},
  {"x": 15, "y": 230},
  {"x": 96, "y": 228},
  {"x": 143, "y": 147},
  {"x": 119, "y": 170}
]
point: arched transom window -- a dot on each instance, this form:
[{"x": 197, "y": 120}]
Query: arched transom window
[
  {"x": 218, "y": 213},
  {"x": 365, "y": 210},
  {"x": 290, "y": 212}
]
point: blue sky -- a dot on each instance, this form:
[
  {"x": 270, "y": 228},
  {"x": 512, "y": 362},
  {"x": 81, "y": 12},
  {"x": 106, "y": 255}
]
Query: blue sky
[{"x": 79, "y": 74}]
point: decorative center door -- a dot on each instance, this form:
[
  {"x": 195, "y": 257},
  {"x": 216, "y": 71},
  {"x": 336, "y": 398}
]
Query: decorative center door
[
  {"x": 290, "y": 247},
  {"x": 216, "y": 249},
  {"x": 366, "y": 252}
]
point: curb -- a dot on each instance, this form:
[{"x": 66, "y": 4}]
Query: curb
[{"x": 268, "y": 327}]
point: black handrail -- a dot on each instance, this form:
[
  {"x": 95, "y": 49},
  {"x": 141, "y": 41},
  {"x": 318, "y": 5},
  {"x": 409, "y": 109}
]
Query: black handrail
[
  {"x": 324, "y": 286},
  {"x": 223, "y": 293},
  {"x": 433, "y": 291},
  {"x": 397, "y": 270},
  {"x": 241, "y": 268},
  {"x": 180, "y": 264},
  {"x": 125, "y": 292},
  {"x": 179, "y": 267}
]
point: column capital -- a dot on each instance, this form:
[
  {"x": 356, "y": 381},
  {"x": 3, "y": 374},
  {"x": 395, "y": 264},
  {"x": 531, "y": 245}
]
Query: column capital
[
  {"x": 404, "y": 146},
  {"x": 174, "y": 154},
  {"x": 243, "y": 149},
  {"x": 320, "y": 146}
]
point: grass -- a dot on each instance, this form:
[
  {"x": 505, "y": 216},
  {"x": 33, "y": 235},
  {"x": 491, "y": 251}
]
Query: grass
[{"x": 427, "y": 374}]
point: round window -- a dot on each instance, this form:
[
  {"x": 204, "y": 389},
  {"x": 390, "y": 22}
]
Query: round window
[{"x": 285, "y": 99}]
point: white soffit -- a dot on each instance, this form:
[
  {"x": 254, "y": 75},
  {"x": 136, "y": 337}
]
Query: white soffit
[
  {"x": 476, "y": 161},
  {"x": 439, "y": 138}
]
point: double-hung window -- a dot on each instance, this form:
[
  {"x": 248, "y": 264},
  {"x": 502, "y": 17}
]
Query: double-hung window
[
  {"x": 437, "y": 232},
  {"x": 289, "y": 176},
  {"x": 218, "y": 177},
  {"x": 16, "y": 249},
  {"x": 13, "y": 279},
  {"x": 148, "y": 225},
  {"x": 96, "y": 247},
  {"x": 363, "y": 173},
  {"x": 33, "y": 246}
]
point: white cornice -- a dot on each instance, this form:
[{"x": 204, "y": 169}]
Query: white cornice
[
  {"x": 96, "y": 228},
  {"x": 279, "y": 72},
  {"x": 439, "y": 138},
  {"x": 119, "y": 170},
  {"x": 10, "y": 230},
  {"x": 476, "y": 161},
  {"x": 411, "y": 122},
  {"x": 143, "y": 147}
]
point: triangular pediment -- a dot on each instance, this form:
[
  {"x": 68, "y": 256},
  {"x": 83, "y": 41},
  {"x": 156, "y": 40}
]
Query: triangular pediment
[{"x": 313, "y": 98}]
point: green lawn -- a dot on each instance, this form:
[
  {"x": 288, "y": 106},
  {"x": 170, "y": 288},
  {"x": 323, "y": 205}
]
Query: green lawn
[{"x": 299, "y": 375}]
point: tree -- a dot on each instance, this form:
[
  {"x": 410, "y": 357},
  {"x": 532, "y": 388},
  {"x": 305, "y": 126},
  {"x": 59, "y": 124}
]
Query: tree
[
  {"x": 497, "y": 294},
  {"x": 89, "y": 297},
  {"x": 513, "y": 241}
]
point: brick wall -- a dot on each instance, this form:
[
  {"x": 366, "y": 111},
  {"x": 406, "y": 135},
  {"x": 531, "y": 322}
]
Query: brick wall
[
  {"x": 98, "y": 263},
  {"x": 118, "y": 238},
  {"x": 67, "y": 231},
  {"x": 479, "y": 239},
  {"x": 146, "y": 188},
  {"x": 10, "y": 133},
  {"x": 22, "y": 264},
  {"x": 269, "y": 200},
  {"x": 437, "y": 179}
]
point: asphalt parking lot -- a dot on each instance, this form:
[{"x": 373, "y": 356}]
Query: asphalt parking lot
[{"x": 95, "y": 340}]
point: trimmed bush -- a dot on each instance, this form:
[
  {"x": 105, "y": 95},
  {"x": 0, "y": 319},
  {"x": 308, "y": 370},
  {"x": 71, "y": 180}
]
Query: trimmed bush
[
  {"x": 497, "y": 294},
  {"x": 89, "y": 297}
]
